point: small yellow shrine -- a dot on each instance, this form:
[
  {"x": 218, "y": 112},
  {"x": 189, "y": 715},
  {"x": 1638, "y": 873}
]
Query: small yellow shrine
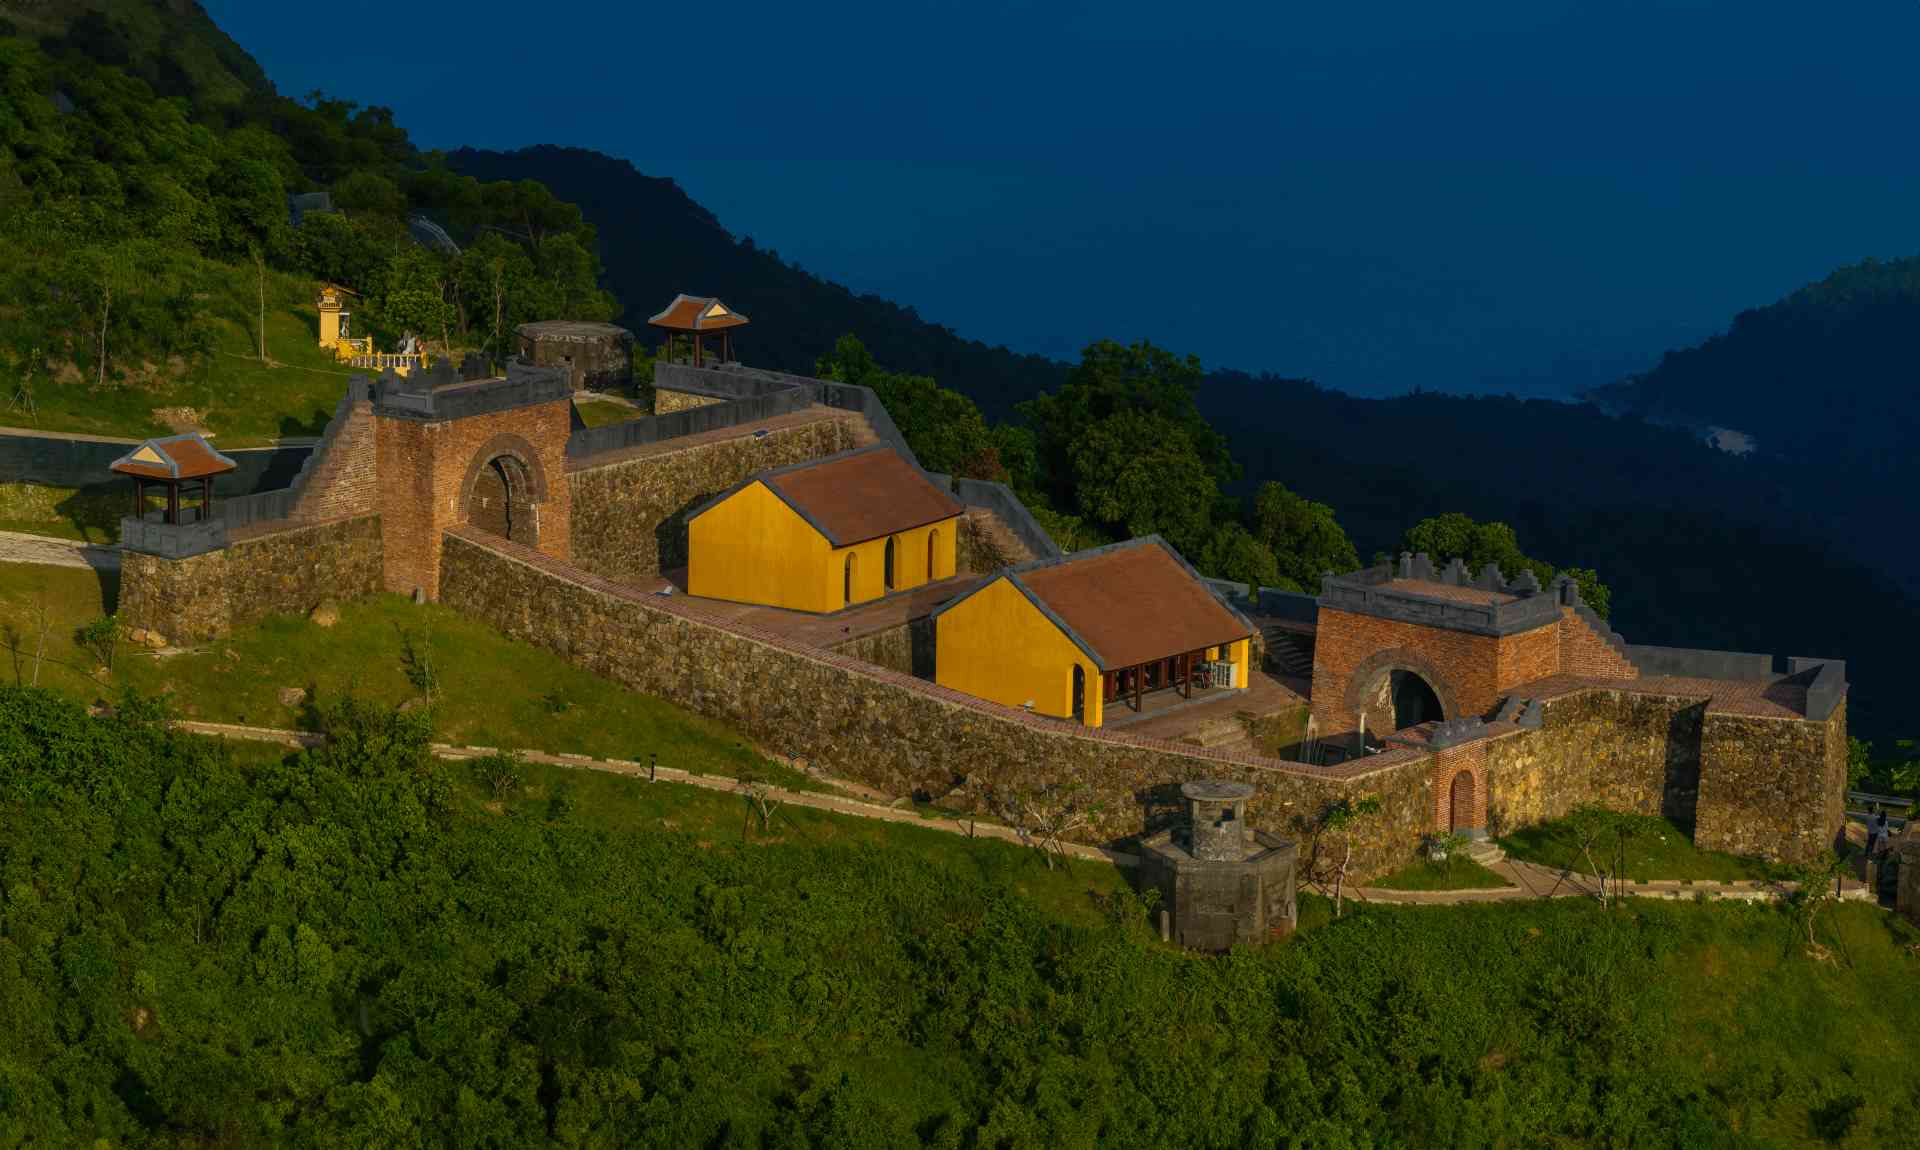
[
  {"x": 824, "y": 535},
  {"x": 336, "y": 324},
  {"x": 1128, "y": 628}
]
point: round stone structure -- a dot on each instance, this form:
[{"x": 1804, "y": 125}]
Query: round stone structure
[
  {"x": 1220, "y": 881},
  {"x": 596, "y": 356}
]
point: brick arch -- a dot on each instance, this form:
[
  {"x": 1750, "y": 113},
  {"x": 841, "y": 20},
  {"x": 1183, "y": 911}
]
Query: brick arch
[
  {"x": 1471, "y": 782},
  {"x": 507, "y": 468},
  {"x": 1363, "y": 677},
  {"x": 515, "y": 447}
]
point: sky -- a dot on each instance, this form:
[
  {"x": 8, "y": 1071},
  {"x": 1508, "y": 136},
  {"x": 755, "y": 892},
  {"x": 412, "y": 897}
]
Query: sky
[{"x": 1524, "y": 197}]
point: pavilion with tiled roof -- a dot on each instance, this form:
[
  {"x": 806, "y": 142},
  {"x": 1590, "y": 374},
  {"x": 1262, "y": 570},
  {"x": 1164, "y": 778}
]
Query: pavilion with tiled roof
[
  {"x": 1132, "y": 619},
  {"x": 172, "y": 462},
  {"x": 825, "y": 534},
  {"x": 697, "y": 317}
]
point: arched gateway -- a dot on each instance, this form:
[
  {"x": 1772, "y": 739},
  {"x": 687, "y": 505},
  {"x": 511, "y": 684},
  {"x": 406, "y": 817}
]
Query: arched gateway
[{"x": 490, "y": 453}]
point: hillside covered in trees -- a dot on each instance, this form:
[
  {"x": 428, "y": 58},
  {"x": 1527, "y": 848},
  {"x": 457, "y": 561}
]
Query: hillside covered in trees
[
  {"x": 360, "y": 945},
  {"x": 145, "y": 174}
]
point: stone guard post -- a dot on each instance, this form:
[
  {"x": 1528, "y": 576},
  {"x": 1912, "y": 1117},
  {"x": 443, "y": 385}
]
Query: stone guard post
[{"x": 1221, "y": 882}]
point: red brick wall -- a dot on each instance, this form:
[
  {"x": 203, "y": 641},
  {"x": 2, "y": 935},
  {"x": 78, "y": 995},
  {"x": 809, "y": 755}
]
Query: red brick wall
[
  {"x": 347, "y": 482},
  {"x": 1461, "y": 668},
  {"x": 1584, "y": 652},
  {"x": 1447, "y": 766},
  {"x": 1527, "y": 656},
  {"x": 426, "y": 470}
]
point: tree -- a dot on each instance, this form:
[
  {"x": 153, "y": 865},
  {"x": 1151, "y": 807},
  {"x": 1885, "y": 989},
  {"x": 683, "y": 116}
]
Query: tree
[
  {"x": 1138, "y": 472},
  {"x": 1341, "y": 818},
  {"x": 1305, "y": 538},
  {"x": 1231, "y": 552},
  {"x": 412, "y": 299},
  {"x": 1454, "y": 535},
  {"x": 260, "y": 267},
  {"x": 369, "y": 193},
  {"x": 1112, "y": 379},
  {"x": 945, "y": 429}
]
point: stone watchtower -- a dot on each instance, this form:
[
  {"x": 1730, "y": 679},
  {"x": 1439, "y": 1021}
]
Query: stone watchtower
[
  {"x": 595, "y": 356},
  {"x": 490, "y": 452},
  {"x": 1220, "y": 881}
]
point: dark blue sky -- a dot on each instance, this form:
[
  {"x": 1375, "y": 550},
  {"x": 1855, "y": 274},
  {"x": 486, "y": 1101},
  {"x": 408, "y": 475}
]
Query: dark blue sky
[{"x": 1490, "y": 196}]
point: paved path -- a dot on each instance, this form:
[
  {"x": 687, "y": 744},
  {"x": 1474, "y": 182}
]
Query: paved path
[
  {"x": 815, "y": 800},
  {"x": 1529, "y": 880},
  {"x": 20, "y": 547}
]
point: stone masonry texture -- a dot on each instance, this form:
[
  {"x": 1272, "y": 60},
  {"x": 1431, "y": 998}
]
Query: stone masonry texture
[
  {"x": 882, "y": 727},
  {"x": 287, "y": 572},
  {"x": 665, "y": 401},
  {"x": 1756, "y": 791},
  {"x": 900, "y": 734},
  {"x": 630, "y": 516}
]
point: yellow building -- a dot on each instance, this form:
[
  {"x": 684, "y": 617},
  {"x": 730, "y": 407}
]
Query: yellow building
[
  {"x": 824, "y": 535},
  {"x": 1076, "y": 637},
  {"x": 336, "y": 322}
]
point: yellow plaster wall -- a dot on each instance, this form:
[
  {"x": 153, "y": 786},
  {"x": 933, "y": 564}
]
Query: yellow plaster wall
[
  {"x": 996, "y": 645},
  {"x": 753, "y": 548}
]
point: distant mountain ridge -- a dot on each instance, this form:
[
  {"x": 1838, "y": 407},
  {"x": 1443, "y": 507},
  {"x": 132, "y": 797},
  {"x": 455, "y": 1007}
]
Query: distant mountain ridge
[
  {"x": 656, "y": 242},
  {"x": 1831, "y": 371}
]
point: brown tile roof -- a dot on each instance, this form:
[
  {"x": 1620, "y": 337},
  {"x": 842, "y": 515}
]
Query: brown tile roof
[
  {"x": 173, "y": 457},
  {"x": 861, "y": 495},
  {"x": 697, "y": 313},
  {"x": 1131, "y": 603},
  {"x": 1477, "y": 595}
]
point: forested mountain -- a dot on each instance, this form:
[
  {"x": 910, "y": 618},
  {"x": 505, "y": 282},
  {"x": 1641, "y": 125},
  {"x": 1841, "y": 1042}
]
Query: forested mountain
[
  {"x": 1830, "y": 372},
  {"x": 1699, "y": 548},
  {"x": 657, "y": 242},
  {"x": 1826, "y": 382},
  {"x": 121, "y": 211}
]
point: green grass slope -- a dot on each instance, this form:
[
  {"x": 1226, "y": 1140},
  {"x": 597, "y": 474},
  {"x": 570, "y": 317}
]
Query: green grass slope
[{"x": 358, "y": 945}]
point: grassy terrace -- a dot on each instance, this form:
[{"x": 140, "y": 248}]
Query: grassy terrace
[
  {"x": 1453, "y": 874},
  {"x": 1657, "y": 848},
  {"x": 597, "y": 412},
  {"x": 491, "y": 692}
]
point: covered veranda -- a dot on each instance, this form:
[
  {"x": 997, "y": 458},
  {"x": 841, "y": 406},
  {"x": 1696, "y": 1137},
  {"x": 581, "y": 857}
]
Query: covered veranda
[{"x": 1161, "y": 684}]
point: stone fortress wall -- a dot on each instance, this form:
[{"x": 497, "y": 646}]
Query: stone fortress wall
[{"x": 389, "y": 501}]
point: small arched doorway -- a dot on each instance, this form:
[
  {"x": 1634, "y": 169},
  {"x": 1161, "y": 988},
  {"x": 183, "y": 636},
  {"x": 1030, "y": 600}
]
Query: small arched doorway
[
  {"x": 501, "y": 500},
  {"x": 1460, "y": 799},
  {"x": 1079, "y": 693},
  {"x": 846, "y": 586},
  {"x": 887, "y": 565},
  {"x": 933, "y": 556}
]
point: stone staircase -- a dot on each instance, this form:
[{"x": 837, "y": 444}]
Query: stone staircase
[
  {"x": 338, "y": 478},
  {"x": 1486, "y": 852},
  {"x": 1227, "y": 733},
  {"x": 1289, "y": 653}
]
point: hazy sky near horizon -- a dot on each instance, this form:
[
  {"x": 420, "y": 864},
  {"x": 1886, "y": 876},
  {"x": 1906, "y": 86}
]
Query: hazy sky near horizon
[{"x": 1532, "y": 196}]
